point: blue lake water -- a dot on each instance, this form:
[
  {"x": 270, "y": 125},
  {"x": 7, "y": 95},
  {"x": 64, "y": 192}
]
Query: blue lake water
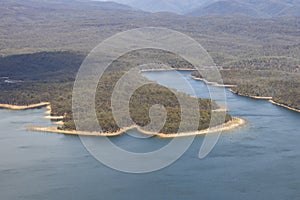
[{"x": 260, "y": 161}]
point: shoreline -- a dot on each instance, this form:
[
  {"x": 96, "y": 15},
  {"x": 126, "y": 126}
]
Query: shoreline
[
  {"x": 34, "y": 106},
  {"x": 233, "y": 124},
  {"x": 284, "y": 106},
  {"x": 212, "y": 83},
  {"x": 168, "y": 70},
  {"x": 59, "y": 119},
  {"x": 74, "y": 132},
  {"x": 269, "y": 99},
  {"x": 59, "y": 123},
  {"x": 228, "y": 126},
  {"x": 24, "y": 107},
  {"x": 252, "y": 97},
  {"x": 55, "y": 118}
]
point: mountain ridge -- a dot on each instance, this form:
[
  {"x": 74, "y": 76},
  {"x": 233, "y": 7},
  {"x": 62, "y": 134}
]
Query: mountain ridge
[{"x": 250, "y": 8}]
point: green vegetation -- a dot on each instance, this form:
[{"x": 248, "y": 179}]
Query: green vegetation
[
  {"x": 277, "y": 63},
  {"x": 284, "y": 87},
  {"x": 41, "y": 82},
  {"x": 44, "y": 43}
]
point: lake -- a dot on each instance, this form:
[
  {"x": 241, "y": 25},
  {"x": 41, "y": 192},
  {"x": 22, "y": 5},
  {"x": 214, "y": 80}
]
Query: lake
[{"x": 259, "y": 161}]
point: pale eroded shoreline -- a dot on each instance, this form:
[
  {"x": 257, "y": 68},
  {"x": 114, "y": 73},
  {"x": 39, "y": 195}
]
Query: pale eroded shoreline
[
  {"x": 59, "y": 119},
  {"x": 284, "y": 106},
  {"x": 24, "y": 107},
  {"x": 167, "y": 70},
  {"x": 233, "y": 124},
  {"x": 73, "y": 132},
  {"x": 270, "y": 99},
  {"x": 252, "y": 97},
  {"x": 230, "y": 125},
  {"x": 212, "y": 83}
]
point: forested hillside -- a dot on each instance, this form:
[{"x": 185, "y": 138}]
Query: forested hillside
[
  {"x": 284, "y": 87},
  {"x": 49, "y": 76},
  {"x": 42, "y": 49}
]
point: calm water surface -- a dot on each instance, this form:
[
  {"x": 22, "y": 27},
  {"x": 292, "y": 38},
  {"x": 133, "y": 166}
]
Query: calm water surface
[{"x": 260, "y": 161}]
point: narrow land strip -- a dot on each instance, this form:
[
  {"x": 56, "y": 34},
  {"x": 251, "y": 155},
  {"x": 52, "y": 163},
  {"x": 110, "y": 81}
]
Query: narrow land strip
[
  {"x": 284, "y": 106},
  {"x": 233, "y": 124},
  {"x": 24, "y": 107}
]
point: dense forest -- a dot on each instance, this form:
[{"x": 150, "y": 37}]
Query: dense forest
[{"x": 49, "y": 76}]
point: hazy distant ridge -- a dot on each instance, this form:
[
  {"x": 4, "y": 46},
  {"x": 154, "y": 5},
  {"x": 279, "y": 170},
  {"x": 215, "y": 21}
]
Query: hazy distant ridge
[{"x": 252, "y": 8}]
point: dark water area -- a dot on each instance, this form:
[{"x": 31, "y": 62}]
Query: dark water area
[{"x": 259, "y": 161}]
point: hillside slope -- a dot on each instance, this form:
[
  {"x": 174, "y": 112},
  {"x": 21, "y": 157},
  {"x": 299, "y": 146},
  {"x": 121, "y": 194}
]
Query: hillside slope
[
  {"x": 175, "y": 6},
  {"x": 251, "y": 8}
]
